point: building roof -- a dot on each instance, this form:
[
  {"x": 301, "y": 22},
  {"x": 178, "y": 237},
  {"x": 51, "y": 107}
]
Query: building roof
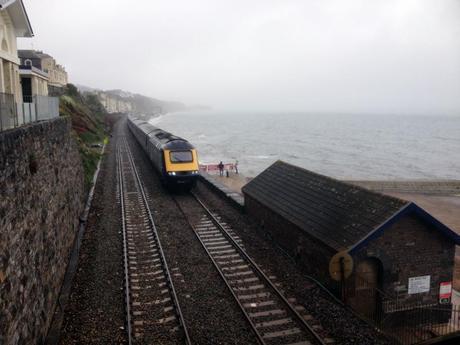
[
  {"x": 32, "y": 54},
  {"x": 18, "y": 15},
  {"x": 28, "y": 54},
  {"x": 341, "y": 215}
]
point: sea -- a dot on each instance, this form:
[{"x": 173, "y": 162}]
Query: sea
[{"x": 344, "y": 146}]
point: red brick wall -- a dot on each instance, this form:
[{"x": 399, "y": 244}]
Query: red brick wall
[{"x": 411, "y": 248}]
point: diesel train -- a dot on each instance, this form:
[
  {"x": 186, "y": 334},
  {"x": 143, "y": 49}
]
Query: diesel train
[{"x": 174, "y": 158}]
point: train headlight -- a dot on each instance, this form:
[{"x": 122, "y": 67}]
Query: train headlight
[{"x": 172, "y": 173}]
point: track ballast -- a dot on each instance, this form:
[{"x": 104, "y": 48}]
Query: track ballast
[
  {"x": 153, "y": 312},
  {"x": 273, "y": 318}
]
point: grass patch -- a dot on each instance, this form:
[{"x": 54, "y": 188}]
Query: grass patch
[
  {"x": 90, "y": 158},
  {"x": 88, "y": 124}
]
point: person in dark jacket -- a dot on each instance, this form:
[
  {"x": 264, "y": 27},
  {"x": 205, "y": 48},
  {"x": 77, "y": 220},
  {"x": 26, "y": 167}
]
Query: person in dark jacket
[{"x": 221, "y": 168}]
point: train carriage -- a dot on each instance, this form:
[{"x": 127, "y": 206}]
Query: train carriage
[{"x": 174, "y": 158}]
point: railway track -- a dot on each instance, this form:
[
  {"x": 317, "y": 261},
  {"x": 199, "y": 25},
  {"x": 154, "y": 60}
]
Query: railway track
[
  {"x": 273, "y": 318},
  {"x": 153, "y": 313}
]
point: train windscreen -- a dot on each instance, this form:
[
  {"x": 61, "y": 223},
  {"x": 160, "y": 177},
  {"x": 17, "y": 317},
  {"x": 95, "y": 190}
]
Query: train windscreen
[{"x": 181, "y": 156}]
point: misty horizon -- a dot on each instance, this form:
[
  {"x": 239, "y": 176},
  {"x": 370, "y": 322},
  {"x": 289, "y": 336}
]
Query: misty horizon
[{"x": 383, "y": 57}]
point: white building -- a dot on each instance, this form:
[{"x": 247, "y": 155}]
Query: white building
[
  {"x": 14, "y": 109},
  {"x": 13, "y": 23}
]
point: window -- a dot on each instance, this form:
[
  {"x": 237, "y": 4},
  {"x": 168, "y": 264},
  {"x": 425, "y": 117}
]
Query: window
[
  {"x": 181, "y": 156},
  {"x": 28, "y": 62}
]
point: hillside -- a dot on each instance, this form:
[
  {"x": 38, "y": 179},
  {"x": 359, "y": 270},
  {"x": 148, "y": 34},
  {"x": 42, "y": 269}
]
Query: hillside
[
  {"x": 88, "y": 124},
  {"x": 147, "y": 105},
  {"x": 120, "y": 101}
]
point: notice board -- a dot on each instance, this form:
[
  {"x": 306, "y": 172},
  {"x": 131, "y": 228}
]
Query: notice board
[{"x": 419, "y": 285}]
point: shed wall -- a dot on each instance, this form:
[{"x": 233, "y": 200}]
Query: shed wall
[
  {"x": 408, "y": 248},
  {"x": 313, "y": 255}
]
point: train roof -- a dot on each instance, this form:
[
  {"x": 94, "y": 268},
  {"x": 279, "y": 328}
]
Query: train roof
[{"x": 157, "y": 135}]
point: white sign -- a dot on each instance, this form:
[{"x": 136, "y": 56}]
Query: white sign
[
  {"x": 445, "y": 292},
  {"x": 419, "y": 285}
]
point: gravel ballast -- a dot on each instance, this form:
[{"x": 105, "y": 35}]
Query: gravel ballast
[{"x": 336, "y": 321}]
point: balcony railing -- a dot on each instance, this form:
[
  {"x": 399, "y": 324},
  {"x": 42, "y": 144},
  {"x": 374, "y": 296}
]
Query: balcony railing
[{"x": 32, "y": 109}]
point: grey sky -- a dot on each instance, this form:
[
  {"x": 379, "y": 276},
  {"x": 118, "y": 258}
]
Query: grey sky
[{"x": 268, "y": 55}]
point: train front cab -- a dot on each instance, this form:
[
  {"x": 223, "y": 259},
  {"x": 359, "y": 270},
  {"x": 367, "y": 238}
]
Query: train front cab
[{"x": 181, "y": 163}]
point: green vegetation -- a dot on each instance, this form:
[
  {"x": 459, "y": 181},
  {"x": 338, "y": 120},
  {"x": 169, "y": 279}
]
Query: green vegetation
[{"x": 88, "y": 124}]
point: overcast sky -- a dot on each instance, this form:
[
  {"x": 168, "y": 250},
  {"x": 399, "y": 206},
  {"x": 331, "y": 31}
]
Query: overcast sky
[{"x": 379, "y": 56}]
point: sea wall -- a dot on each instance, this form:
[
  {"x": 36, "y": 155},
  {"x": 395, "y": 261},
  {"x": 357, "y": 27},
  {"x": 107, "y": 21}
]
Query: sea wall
[{"x": 42, "y": 193}]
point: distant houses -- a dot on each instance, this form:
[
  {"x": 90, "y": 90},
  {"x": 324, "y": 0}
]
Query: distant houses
[
  {"x": 56, "y": 74},
  {"x": 27, "y": 77},
  {"x": 114, "y": 103}
]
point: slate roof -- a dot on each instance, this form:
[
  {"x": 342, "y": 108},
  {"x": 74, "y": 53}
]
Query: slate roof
[
  {"x": 28, "y": 54},
  {"x": 336, "y": 213},
  {"x": 32, "y": 54}
]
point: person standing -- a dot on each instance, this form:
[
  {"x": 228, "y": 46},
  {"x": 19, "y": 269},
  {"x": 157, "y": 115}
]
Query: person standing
[
  {"x": 236, "y": 166},
  {"x": 221, "y": 168}
]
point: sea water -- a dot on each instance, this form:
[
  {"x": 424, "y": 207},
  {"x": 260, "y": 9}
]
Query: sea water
[{"x": 344, "y": 146}]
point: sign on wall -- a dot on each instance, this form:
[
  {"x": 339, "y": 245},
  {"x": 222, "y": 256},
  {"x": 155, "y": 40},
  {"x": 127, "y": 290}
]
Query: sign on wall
[
  {"x": 445, "y": 292},
  {"x": 418, "y": 284}
]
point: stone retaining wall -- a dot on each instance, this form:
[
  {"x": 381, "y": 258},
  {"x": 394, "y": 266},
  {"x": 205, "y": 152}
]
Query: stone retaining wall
[{"x": 42, "y": 193}]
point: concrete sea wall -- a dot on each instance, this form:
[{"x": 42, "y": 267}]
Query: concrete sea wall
[{"x": 42, "y": 194}]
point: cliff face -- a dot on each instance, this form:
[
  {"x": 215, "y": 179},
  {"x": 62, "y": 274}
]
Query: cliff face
[{"x": 119, "y": 101}]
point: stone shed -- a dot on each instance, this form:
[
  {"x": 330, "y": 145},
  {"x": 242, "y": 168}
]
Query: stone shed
[{"x": 401, "y": 255}]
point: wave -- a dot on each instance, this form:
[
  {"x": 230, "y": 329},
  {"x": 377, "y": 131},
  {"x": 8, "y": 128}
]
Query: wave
[
  {"x": 260, "y": 157},
  {"x": 157, "y": 119}
]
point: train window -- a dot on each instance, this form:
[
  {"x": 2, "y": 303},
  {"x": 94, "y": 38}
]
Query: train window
[{"x": 181, "y": 156}]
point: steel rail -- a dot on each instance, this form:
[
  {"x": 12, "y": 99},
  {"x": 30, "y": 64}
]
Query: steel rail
[
  {"x": 261, "y": 273},
  {"x": 260, "y": 339},
  {"x": 125, "y": 246},
  {"x": 175, "y": 300}
]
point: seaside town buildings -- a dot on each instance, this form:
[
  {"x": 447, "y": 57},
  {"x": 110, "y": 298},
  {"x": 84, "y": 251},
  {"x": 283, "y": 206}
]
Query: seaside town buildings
[
  {"x": 114, "y": 103},
  {"x": 13, "y": 23},
  {"x": 46, "y": 66},
  {"x": 382, "y": 255},
  {"x": 27, "y": 78},
  {"x": 57, "y": 74}
]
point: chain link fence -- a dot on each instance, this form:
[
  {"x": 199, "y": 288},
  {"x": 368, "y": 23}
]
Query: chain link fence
[{"x": 401, "y": 322}]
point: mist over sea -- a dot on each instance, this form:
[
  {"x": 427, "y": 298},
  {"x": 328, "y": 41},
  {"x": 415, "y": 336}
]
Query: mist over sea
[{"x": 340, "y": 145}]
